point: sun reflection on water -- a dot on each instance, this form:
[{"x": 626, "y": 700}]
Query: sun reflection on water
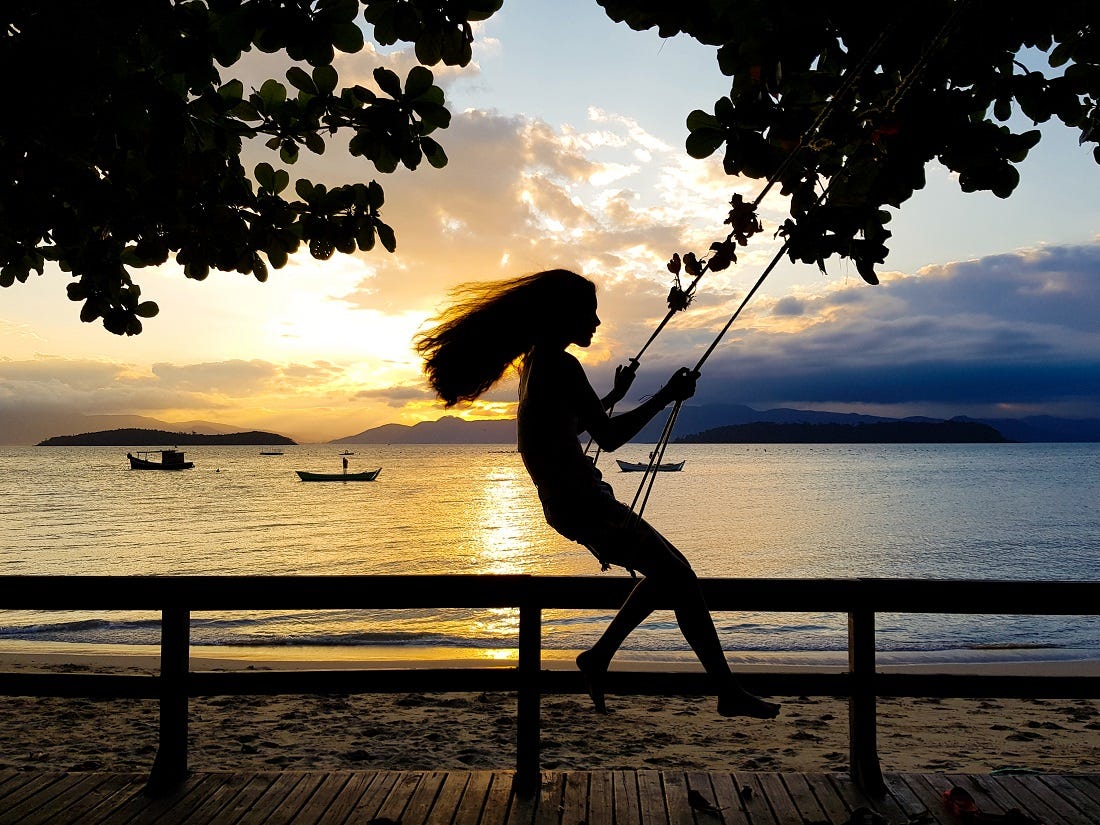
[{"x": 502, "y": 537}]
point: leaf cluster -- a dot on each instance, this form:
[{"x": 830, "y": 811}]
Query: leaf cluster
[
  {"x": 942, "y": 83},
  {"x": 132, "y": 155}
]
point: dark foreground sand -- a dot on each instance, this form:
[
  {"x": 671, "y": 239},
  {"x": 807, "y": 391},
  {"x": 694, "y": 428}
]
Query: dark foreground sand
[{"x": 462, "y": 730}]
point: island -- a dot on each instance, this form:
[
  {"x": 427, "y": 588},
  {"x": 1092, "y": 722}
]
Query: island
[
  {"x": 883, "y": 432},
  {"x": 157, "y": 438}
]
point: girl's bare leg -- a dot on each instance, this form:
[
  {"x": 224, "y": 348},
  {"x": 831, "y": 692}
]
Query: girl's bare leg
[
  {"x": 593, "y": 663},
  {"x": 695, "y": 623}
]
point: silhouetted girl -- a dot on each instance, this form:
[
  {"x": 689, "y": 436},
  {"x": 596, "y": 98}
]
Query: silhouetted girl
[{"x": 530, "y": 321}]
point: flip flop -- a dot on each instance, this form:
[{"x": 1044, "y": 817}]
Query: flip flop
[{"x": 961, "y": 804}]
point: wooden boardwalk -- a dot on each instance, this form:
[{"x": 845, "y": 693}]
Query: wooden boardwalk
[{"x": 629, "y": 797}]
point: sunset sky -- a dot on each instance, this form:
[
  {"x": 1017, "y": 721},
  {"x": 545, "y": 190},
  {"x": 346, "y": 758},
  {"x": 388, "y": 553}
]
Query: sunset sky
[{"x": 566, "y": 149}]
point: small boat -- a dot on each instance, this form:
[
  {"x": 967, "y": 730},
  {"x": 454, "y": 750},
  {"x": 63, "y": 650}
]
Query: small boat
[
  {"x": 633, "y": 467},
  {"x": 369, "y": 475},
  {"x": 271, "y": 452},
  {"x": 347, "y": 452},
  {"x": 169, "y": 460}
]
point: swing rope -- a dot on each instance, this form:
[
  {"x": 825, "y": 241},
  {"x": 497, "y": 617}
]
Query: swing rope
[
  {"x": 650, "y": 474},
  {"x": 679, "y": 299}
]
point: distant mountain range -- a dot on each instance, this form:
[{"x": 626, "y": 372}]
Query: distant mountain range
[
  {"x": 450, "y": 429},
  {"x": 698, "y": 419}
]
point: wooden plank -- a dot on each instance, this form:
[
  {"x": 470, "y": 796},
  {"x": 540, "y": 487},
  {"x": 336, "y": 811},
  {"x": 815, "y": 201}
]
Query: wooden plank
[
  {"x": 420, "y": 803},
  {"x": 803, "y": 797},
  {"x": 219, "y": 793},
  {"x": 65, "y": 798},
  {"x": 524, "y": 801},
  {"x": 624, "y": 792},
  {"x": 366, "y": 808},
  {"x": 1088, "y": 785},
  {"x": 316, "y": 807},
  {"x": 910, "y": 804},
  {"x": 753, "y": 799},
  {"x": 778, "y": 798},
  {"x": 292, "y": 802},
  {"x": 702, "y": 799},
  {"x": 728, "y": 799},
  {"x": 498, "y": 801},
  {"x": 827, "y": 797},
  {"x": 470, "y": 806},
  {"x": 394, "y": 805},
  {"x": 601, "y": 798},
  {"x": 574, "y": 801},
  {"x": 449, "y": 797},
  {"x": 96, "y": 805},
  {"x": 10, "y": 781},
  {"x": 550, "y": 795},
  {"x": 929, "y": 797},
  {"x": 855, "y": 797},
  {"x": 651, "y": 798},
  {"x": 1037, "y": 799},
  {"x": 142, "y": 807},
  {"x": 38, "y": 793},
  {"x": 676, "y": 798},
  {"x": 256, "y": 784},
  {"x": 359, "y": 783},
  {"x": 1087, "y": 807}
]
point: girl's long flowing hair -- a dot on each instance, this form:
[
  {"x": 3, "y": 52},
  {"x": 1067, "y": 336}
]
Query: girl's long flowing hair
[{"x": 492, "y": 324}]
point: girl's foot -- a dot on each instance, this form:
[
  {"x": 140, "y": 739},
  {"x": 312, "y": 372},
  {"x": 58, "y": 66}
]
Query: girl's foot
[
  {"x": 593, "y": 679},
  {"x": 739, "y": 702}
]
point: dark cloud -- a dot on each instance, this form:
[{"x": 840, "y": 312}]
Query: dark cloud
[
  {"x": 1016, "y": 328},
  {"x": 789, "y": 306}
]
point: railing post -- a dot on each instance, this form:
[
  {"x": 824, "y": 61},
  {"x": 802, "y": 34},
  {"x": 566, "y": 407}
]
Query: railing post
[
  {"x": 170, "y": 765},
  {"x": 528, "y": 771},
  {"x": 862, "y": 714}
]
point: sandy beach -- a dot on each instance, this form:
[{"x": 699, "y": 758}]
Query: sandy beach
[{"x": 477, "y": 731}]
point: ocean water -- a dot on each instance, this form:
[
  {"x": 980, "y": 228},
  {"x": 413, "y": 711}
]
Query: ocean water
[{"x": 1012, "y": 511}]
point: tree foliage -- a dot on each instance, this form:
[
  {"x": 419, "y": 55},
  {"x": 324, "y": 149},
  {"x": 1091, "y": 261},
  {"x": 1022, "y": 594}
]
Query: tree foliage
[
  {"x": 132, "y": 153},
  {"x": 943, "y": 81}
]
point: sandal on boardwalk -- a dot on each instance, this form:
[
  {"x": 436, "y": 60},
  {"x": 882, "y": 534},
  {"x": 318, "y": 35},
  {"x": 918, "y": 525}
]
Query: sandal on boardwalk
[{"x": 961, "y": 804}]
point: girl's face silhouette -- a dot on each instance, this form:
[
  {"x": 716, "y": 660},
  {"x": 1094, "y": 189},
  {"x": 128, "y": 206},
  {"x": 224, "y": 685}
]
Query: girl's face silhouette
[{"x": 581, "y": 325}]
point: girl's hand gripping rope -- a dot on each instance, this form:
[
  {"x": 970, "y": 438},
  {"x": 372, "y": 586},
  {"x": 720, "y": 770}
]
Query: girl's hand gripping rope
[
  {"x": 624, "y": 377},
  {"x": 681, "y": 386}
]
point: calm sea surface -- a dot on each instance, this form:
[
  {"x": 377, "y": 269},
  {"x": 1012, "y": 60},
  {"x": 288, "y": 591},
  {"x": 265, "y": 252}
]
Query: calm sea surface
[{"x": 1016, "y": 511}]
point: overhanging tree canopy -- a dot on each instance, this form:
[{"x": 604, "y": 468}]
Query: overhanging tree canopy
[
  {"x": 942, "y": 81},
  {"x": 133, "y": 155}
]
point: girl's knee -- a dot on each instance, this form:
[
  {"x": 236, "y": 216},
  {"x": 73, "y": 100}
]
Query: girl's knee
[{"x": 676, "y": 574}]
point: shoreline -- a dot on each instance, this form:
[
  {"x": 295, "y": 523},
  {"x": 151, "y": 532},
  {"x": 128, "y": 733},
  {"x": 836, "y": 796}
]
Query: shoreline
[
  {"x": 23, "y": 655},
  {"x": 477, "y": 731}
]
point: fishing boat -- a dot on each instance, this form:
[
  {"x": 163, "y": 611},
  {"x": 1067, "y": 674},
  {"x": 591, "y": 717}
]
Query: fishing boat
[
  {"x": 641, "y": 467},
  {"x": 169, "y": 460},
  {"x": 369, "y": 475}
]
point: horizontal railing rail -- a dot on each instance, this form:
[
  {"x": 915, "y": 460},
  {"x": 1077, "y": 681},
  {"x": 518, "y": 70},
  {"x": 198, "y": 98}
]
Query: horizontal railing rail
[{"x": 176, "y": 597}]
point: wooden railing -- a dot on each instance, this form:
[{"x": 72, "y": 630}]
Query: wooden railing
[{"x": 176, "y": 597}]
